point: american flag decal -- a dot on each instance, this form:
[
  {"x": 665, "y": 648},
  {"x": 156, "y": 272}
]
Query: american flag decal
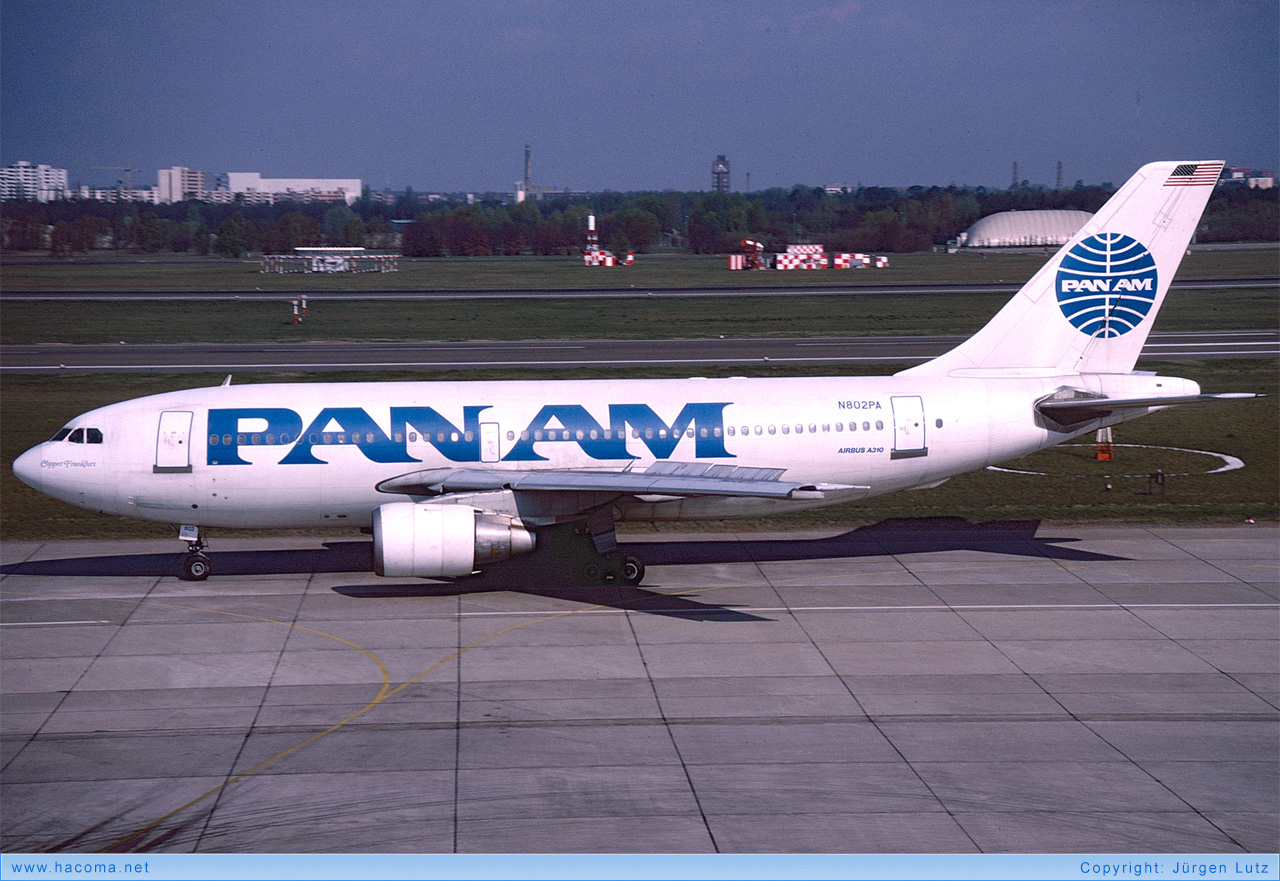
[{"x": 1195, "y": 174}]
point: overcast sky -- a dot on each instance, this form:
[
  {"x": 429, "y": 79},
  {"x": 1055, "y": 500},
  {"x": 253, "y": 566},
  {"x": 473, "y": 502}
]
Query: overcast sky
[{"x": 638, "y": 96}]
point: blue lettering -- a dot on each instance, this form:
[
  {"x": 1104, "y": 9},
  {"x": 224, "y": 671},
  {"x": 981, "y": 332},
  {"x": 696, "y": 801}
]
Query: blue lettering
[
  {"x": 661, "y": 439},
  {"x": 346, "y": 425},
  {"x": 559, "y": 423},
  {"x": 577, "y": 426},
  {"x": 704, "y": 421},
  {"x": 282, "y": 426},
  {"x": 454, "y": 444}
]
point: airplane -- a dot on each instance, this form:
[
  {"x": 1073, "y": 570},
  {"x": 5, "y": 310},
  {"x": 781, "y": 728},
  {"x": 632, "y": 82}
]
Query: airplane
[{"x": 451, "y": 477}]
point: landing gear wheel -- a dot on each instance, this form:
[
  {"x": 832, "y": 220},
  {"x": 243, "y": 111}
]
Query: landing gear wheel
[
  {"x": 632, "y": 571},
  {"x": 196, "y": 567}
]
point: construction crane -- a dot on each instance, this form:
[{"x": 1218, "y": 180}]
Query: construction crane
[{"x": 127, "y": 180}]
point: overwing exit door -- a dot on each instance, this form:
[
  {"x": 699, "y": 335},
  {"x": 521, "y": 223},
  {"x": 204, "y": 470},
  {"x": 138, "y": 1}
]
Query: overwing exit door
[{"x": 489, "y": 442}]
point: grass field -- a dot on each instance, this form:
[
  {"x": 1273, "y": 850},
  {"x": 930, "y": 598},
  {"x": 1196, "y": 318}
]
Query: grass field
[
  {"x": 594, "y": 318},
  {"x": 101, "y": 272},
  {"x": 607, "y": 316},
  {"x": 1072, "y": 487}
]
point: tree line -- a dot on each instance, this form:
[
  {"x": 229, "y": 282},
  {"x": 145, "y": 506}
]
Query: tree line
[{"x": 866, "y": 219}]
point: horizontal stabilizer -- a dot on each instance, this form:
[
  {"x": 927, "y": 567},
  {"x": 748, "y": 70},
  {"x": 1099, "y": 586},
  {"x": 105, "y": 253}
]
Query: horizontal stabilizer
[
  {"x": 1079, "y": 410},
  {"x": 670, "y": 479}
]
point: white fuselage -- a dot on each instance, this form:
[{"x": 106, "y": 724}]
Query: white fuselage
[{"x": 312, "y": 454}]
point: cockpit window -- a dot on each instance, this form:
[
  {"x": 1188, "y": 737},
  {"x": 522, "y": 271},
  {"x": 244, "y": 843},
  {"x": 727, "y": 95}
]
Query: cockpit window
[{"x": 78, "y": 435}]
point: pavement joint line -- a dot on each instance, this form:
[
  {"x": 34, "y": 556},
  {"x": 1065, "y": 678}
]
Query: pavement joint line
[
  {"x": 382, "y": 695},
  {"x": 46, "y": 623}
]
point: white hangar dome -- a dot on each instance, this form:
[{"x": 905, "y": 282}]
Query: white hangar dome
[{"x": 1025, "y": 229}]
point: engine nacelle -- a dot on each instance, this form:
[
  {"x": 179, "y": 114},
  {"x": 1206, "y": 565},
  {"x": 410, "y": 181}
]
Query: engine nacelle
[{"x": 433, "y": 541}]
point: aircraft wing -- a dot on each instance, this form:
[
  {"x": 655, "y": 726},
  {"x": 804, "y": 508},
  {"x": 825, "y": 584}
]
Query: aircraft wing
[
  {"x": 1073, "y": 411},
  {"x": 663, "y": 478}
]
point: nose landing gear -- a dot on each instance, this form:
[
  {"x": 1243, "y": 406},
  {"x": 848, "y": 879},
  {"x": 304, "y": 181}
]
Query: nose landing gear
[{"x": 196, "y": 567}]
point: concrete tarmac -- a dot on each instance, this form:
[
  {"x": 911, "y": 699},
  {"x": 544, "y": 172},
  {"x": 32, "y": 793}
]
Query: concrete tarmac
[{"x": 924, "y": 686}]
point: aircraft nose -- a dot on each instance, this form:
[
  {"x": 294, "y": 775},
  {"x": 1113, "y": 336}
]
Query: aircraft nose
[{"x": 27, "y": 468}]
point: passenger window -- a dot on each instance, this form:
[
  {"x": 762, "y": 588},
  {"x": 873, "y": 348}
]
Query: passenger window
[
  {"x": 93, "y": 435},
  {"x": 866, "y": 426},
  {"x": 786, "y": 429},
  {"x": 879, "y": 425},
  {"x": 773, "y": 429},
  {"x": 213, "y": 440}
]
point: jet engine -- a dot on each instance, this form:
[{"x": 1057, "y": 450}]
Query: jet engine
[{"x": 432, "y": 541}]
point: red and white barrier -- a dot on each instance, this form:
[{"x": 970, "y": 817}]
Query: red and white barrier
[{"x": 801, "y": 261}]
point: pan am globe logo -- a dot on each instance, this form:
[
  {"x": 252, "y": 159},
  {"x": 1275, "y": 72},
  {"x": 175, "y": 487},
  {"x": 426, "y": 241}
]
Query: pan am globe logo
[{"x": 1106, "y": 284}]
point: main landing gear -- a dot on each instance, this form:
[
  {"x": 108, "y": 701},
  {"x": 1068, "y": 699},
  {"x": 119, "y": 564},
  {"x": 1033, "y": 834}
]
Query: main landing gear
[
  {"x": 196, "y": 567},
  {"x": 597, "y": 560},
  {"x": 612, "y": 568}
]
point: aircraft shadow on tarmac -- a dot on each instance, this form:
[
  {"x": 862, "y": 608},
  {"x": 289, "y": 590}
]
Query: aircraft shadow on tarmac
[{"x": 543, "y": 578}]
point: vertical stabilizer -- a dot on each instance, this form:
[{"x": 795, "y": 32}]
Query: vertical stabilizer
[{"x": 1090, "y": 308}]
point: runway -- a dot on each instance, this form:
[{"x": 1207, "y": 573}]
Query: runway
[
  {"x": 691, "y": 353},
  {"x": 926, "y": 686}
]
